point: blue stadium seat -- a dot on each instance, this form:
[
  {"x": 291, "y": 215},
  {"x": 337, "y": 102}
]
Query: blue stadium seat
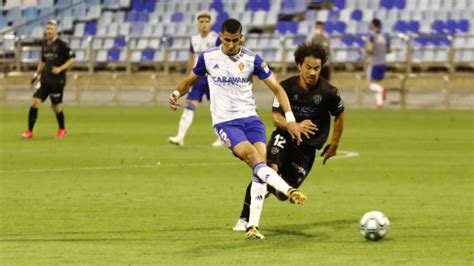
[
  {"x": 463, "y": 25},
  {"x": 339, "y": 4},
  {"x": 401, "y": 26},
  {"x": 113, "y": 55},
  {"x": 292, "y": 27},
  {"x": 148, "y": 54},
  {"x": 138, "y": 5},
  {"x": 400, "y": 4},
  {"x": 356, "y": 15},
  {"x": 451, "y": 26},
  {"x": 149, "y": 6},
  {"x": 387, "y": 4},
  {"x": 340, "y": 27},
  {"x": 413, "y": 26},
  {"x": 281, "y": 27},
  {"x": 255, "y": 5},
  {"x": 90, "y": 28},
  {"x": 143, "y": 16},
  {"x": 131, "y": 16},
  {"x": 438, "y": 26},
  {"x": 119, "y": 41},
  {"x": 177, "y": 17}
]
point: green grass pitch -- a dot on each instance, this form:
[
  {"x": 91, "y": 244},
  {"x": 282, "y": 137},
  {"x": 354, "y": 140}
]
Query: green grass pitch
[{"x": 115, "y": 192}]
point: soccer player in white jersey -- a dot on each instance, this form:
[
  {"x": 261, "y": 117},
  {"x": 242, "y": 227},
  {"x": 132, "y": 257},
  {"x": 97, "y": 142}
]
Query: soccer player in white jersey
[
  {"x": 200, "y": 42},
  {"x": 376, "y": 49},
  {"x": 229, "y": 70}
]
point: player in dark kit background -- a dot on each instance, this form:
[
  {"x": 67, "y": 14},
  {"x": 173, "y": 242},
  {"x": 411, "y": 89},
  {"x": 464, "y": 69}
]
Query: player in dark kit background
[
  {"x": 56, "y": 58},
  {"x": 313, "y": 101}
]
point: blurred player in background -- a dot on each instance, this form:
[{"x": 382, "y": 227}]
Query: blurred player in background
[
  {"x": 321, "y": 38},
  {"x": 376, "y": 48},
  {"x": 229, "y": 70},
  {"x": 56, "y": 58},
  {"x": 199, "y": 43},
  {"x": 314, "y": 101}
]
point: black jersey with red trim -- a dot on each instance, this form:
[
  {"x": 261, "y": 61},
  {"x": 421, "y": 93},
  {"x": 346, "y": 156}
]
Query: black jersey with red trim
[{"x": 318, "y": 103}]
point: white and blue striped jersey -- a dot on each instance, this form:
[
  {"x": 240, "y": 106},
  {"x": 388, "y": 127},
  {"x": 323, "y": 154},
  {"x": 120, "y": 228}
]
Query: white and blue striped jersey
[
  {"x": 230, "y": 82},
  {"x": 200, "y": 44}
]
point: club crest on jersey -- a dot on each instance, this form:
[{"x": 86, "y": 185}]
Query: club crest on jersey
[
  {"x": 241, "y": 66},
  {"x": 317, "y": 99}
]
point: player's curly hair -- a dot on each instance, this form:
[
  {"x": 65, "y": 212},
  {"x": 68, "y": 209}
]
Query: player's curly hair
[{"x": 315, "y": 49}]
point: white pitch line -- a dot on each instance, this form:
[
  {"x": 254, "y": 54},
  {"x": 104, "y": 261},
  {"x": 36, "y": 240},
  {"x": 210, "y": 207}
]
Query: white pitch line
[{"x": 341, "y": 155}]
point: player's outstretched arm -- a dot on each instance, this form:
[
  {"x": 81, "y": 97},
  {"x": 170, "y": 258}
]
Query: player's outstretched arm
[
  {"x": 181, "y": 89},
  {"x": 331, "y": 149},
  {"x": 282, "y": 98}
]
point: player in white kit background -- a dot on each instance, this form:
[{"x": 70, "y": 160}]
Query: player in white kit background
[
  {"x": 229, "y": 69},
  {"x": 200, "y": 42},
  {"x": 376, "y": 49}
]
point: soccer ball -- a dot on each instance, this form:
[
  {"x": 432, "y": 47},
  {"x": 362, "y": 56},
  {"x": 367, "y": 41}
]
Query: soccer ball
[{"x": 374, "y": 225}]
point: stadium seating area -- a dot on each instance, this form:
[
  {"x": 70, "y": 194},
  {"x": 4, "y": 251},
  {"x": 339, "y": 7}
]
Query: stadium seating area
[{"x": 140, "y": 32}]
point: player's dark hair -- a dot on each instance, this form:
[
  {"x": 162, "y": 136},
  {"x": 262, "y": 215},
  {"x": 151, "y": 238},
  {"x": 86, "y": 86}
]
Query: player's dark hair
[
  {"x": 314, "y": 49},
  {"x": 319, "y": 23},
  {"x": 231, "y": 25},
  {"x": 377, "y": 23}
]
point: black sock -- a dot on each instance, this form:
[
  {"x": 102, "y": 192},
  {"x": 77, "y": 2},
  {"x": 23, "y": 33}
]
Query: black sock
[
  {"x": 32, "y": 115},
  {"x": 60, "y": 117},
  {"x": 245, "y": 214}
]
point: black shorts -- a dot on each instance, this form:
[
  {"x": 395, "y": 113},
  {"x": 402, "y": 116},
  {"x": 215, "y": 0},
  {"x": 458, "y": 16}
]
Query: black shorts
[
  {"x": 294, "y": 162},
  {"x": 55, "y": 93}
]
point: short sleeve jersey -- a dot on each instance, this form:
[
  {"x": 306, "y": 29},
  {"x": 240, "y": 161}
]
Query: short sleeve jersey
[
  {"x": 200, "y": 44},
  {"x": 317, "y": 103},
  {"x": 55, "y": 55},
  {"x": 230, "y": 82},
  {"x": 381, "y": 43}
]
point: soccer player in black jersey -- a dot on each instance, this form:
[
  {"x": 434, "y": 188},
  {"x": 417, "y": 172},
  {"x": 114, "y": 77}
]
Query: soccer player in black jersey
[
  {"x": 56, "y": 58},
  {"x": 313, "y": 101}
]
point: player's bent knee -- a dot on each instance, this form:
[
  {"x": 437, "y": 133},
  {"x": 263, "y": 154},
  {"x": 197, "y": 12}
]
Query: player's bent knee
[{"x": 36, "y": 102}]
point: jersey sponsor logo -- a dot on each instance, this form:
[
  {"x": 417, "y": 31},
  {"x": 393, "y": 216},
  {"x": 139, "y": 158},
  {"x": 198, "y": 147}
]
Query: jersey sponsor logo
[
  {"x": 216, "y": 66},
  {"x": 303, "y": 110},
  {"x": 241, "y": 66},
  {"x": 230, "y": 80}
]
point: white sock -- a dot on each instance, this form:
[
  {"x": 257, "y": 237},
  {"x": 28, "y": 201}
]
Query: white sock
[
  {"x": 185, "y": 122},
  {"x": 269, "y": 176},
  {"x": 257, "y": 197},
  {"x": 378, "y": 93}
]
